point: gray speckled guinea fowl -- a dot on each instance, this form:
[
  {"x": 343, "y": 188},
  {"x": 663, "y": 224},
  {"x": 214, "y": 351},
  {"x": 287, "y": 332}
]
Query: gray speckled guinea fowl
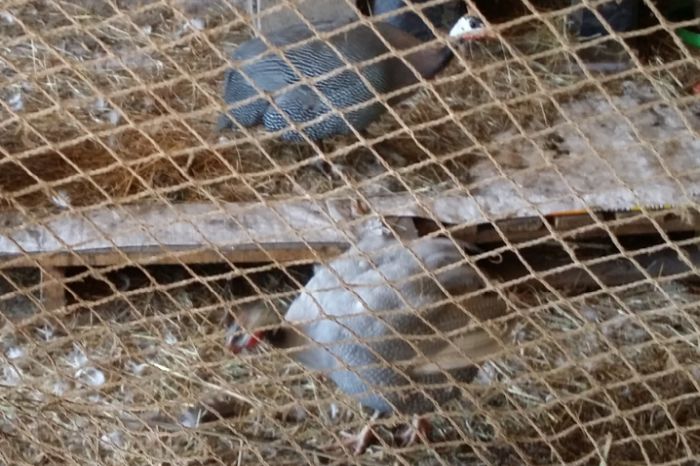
[
  {"x": 269, "y": 73},
  {"x": 363, "y": 336}
]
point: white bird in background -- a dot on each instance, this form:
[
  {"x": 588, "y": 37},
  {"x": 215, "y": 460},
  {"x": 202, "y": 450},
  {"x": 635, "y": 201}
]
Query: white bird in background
[{"x": 386, "y": 346}]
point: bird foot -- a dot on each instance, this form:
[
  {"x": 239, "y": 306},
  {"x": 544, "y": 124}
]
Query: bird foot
[
  {"x": 357, "y": 443},
  {"x": 334, "y": 171},
  {"x": 294, "y": 413},
  {"x": 419, "y": 427},
  {"x": 386, "y": 150}
]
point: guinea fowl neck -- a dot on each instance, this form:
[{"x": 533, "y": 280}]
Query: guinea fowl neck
[
  {"x": 444, "y": 57},
  {"x": 432, "y": 59},
  {"x": 429, "y": 61},
  {"x": 285, "y": 337}
]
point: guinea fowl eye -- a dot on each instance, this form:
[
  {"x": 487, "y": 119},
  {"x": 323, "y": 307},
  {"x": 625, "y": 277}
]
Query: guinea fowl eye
[{"x": 473, "y": 24}]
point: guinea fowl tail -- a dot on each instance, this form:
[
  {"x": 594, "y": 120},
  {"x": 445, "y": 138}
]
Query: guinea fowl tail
[{"x": 473, "y": 347}]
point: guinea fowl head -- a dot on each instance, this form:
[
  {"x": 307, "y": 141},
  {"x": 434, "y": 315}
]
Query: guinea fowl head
[
  {"x": 251, "y": 323},
  {"x": 431, "y": 60},
  {"x": 468, "y": 28}
]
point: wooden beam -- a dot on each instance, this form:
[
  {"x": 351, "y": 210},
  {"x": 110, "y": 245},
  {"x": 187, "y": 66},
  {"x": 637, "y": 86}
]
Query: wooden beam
[
  {"x": 53, "y": 294},
  {"x": 286, "y": 253},
  {"x": 579, "y": 227},
  {"x": 291, "y": 231}
]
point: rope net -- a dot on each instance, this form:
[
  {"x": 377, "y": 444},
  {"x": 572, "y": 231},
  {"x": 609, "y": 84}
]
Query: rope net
[{"x": 527, "y": 216}]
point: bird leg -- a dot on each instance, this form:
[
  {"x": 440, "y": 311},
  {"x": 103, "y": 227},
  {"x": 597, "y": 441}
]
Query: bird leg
[
  {"x": 332, "y": 170},
  {"x": 419, "y": 426},
  {"x": 325, "y": 167},
  {"x": 358, "y": 442},
  {"x": 387, "y": 151}
]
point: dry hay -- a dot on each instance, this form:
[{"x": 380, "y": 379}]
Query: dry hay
[
  {"x": 612, "y": 375},
  {"x": 122, "y": 109}
]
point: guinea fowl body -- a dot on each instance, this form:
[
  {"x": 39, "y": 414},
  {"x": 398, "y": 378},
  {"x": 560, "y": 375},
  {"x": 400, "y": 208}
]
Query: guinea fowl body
[
  {"x": 369, "y": 328},
  {"x": 269, "y": 72}
]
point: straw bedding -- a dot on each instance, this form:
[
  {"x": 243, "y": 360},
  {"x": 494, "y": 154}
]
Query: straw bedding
[{"x": 105, "y": 107}]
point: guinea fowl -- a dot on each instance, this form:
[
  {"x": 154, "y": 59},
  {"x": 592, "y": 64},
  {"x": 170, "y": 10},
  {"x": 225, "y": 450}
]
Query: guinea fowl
[
  {"x": 362, "y": 334},
  {"x": 268, "y": 71}
]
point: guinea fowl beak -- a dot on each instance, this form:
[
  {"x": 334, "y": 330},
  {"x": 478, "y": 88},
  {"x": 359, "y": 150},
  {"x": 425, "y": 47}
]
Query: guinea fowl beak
[
  {"x": 470, "y": 28},
  {"x": 251, "y": 324},
  {"x": 481, "y": 35},
  {"x": 237, "y": 339}
]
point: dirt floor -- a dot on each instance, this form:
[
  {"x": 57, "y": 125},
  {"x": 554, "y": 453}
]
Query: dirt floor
[{"x": 591, "y": 374}]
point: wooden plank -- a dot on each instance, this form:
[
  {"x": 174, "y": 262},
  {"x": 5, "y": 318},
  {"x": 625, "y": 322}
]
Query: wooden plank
[
  {"x": 52, "y": 292},
  {"x": 626, "y": 224},
  {"x": 178, "y": 255},
  {"x": 288, "y": 231},
  {"x": 192, "y": 226},
  {"x": 637, "y": 224},
  {"x": 228, "y": 225}
]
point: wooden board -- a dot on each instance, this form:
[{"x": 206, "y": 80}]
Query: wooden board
[
  {"x": 279, "y": 231},
  {"x": 283, "y": 232}
]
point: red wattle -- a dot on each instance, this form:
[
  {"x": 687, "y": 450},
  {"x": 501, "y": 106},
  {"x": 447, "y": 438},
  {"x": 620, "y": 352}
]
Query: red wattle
[{"x": 254, "y": 340}]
